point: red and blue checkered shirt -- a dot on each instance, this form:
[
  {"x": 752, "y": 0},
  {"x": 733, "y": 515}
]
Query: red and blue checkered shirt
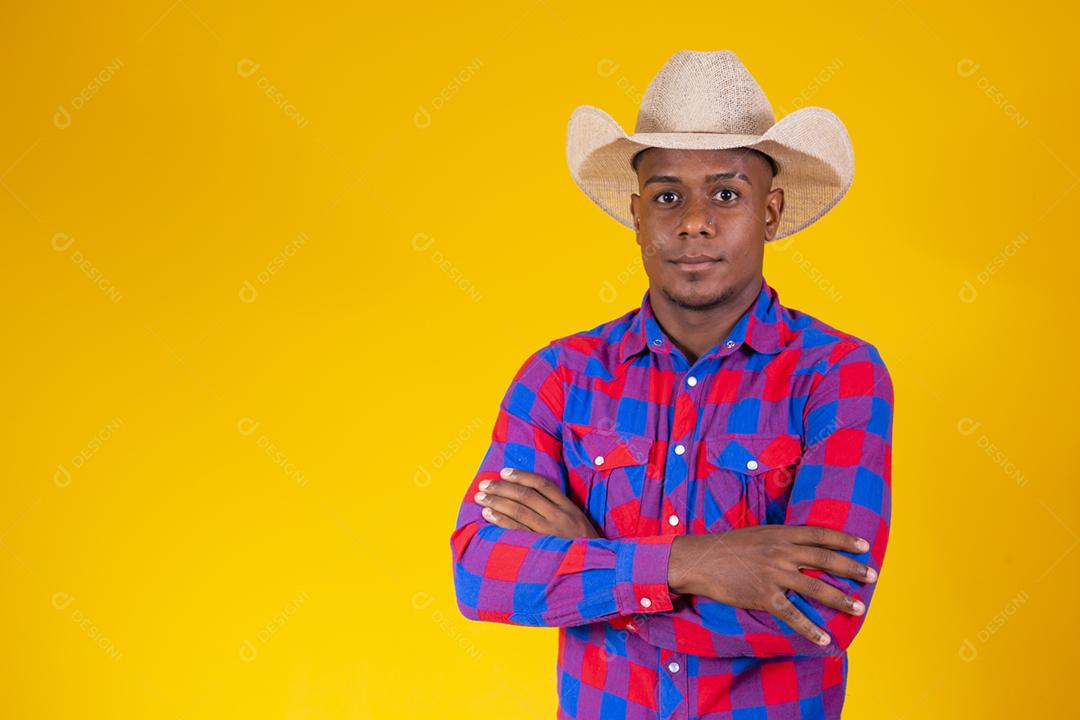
[{"x": 788, "y": 420}]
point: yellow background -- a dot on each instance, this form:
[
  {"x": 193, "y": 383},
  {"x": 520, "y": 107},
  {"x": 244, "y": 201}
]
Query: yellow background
[{"x": 269, "y": 270}]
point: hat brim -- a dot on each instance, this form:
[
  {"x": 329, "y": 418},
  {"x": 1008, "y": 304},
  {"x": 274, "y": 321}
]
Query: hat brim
[{"x": 811, "y": 146}]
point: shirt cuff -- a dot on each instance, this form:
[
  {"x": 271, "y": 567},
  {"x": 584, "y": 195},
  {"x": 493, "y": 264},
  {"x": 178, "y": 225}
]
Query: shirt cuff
[{"x": 641, "y": 575}]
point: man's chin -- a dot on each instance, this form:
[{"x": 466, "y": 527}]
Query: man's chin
[{"x": 696, "y": 299}]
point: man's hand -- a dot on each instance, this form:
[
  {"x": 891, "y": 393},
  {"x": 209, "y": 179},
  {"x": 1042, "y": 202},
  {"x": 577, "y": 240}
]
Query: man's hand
[
  {"x": 527, "y": 501},
  {"x": 753, "y": 567}
]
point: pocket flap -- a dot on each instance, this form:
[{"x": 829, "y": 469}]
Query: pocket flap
[
  {"x": 753, "y": 454},
  {"x": 607, "y": 449}
]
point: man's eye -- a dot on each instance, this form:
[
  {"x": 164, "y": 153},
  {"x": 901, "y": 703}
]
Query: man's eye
[
  {"x": 731, "y": 193},
  {"x": 663, "y": 194}
]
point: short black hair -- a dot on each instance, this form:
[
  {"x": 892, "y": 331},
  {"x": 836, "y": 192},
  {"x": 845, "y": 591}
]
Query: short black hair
[{"x": 635, "y": 160}]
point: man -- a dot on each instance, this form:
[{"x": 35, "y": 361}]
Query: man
[{"x": 698, "y": 492}]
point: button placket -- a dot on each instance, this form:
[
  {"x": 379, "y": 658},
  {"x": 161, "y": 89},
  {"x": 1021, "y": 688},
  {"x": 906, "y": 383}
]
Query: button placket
[
  {"x": 675, "y": 696},
  {"x": 689, "y": 381}
]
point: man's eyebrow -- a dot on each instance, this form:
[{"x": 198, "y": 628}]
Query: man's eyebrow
[{"x": 711, "y": 178}]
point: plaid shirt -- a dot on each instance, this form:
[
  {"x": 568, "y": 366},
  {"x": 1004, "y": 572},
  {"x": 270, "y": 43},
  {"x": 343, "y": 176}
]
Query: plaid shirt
[{"x": 787, "y": 421}]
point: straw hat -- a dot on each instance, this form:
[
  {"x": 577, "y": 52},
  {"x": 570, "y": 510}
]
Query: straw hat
[{"x": 710, "y": 101}]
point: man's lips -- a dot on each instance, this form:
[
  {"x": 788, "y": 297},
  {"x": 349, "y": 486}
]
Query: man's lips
[{"x": 695, "y": 262}]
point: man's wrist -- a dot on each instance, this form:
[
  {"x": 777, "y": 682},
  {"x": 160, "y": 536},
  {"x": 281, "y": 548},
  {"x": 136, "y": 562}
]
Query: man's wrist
[{"x": 677, "y": 570}]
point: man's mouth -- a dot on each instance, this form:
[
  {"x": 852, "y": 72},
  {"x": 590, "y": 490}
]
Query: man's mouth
[{"x": 692, "y": 263}]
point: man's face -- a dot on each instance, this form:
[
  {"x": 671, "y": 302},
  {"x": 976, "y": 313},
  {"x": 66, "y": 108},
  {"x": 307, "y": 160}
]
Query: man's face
[{"x": 705, "y": 216}]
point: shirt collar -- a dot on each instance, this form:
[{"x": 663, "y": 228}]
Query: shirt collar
[{"x": 762, "y": 327}]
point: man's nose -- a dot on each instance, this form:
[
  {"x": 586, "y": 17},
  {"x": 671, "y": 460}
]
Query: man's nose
[{"x": 697, "y": 219}]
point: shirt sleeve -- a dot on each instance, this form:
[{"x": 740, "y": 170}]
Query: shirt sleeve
[
  {"x": 842, "y": 482},
  {"x": 522, "y": 577}
]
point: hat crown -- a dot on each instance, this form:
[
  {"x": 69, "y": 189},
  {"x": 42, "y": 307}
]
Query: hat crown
[{"x": 704, "y": 92}]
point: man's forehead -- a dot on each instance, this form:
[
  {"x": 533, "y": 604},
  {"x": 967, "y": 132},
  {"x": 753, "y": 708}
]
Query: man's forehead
[
  {"x": 706, "y": 166},
  {"x": 705, "y": 160}
]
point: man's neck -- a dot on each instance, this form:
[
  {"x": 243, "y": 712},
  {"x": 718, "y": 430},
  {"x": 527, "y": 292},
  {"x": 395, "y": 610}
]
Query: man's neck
[{"x": 695, "y": 332}]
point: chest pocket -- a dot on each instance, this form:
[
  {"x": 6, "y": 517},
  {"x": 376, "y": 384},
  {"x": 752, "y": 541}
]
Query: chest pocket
[
  {"x": 609, "y": 468},
  {"x": 747, "y": 479}
]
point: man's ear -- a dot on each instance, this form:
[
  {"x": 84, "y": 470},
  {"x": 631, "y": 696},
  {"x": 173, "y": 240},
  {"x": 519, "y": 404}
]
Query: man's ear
[
  {"x": 774, "y": 210},
  {"x": 634, "y": 198}
]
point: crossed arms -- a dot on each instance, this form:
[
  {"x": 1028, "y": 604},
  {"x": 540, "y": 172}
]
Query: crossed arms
[{"x": 527, "y": 554}]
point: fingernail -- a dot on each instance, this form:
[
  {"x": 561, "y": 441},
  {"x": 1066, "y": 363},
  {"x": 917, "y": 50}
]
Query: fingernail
[
  {"x": 862, "y": 544},
  {"x": 823, "y": 639},
  {"x": 485, "y": 484},
  {"x": 858, "y": 607},
  {"x": 488, "y": 513},
  {"x": 506, "y": 472},
  {"x": 480, "y": 496},
  {"x": 871, "y": 573}
]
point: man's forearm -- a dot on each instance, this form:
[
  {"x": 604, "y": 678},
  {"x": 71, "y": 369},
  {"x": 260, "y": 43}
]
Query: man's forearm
[{"x": 524, "y": 578}]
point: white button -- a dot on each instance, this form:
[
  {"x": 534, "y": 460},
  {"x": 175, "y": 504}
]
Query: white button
[
  {"x": 673, "y": 666},
  {"x": 691, "y": 381},
  {"x": 673, "y": 520},
  {"x": 657, "y": 341},
  {"x": 680, "y": 449},
  {"x": 646, "y": 602},
  {"x": 730, "y": 343},
  {"x": 599, "y": 460},
  {"x": 751, "y": 464}
]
